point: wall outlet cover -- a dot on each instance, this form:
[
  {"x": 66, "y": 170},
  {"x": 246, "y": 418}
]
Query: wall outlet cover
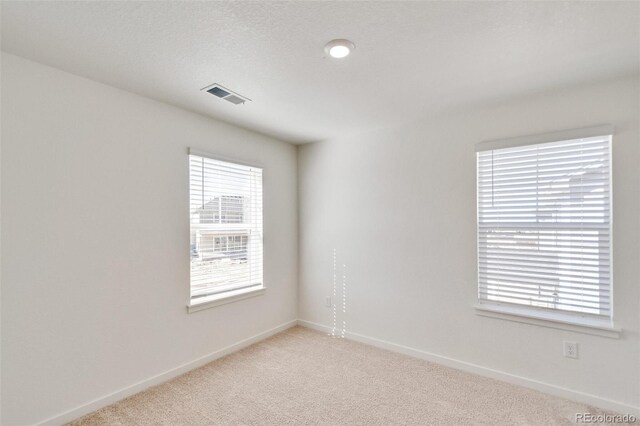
[{"x": 571, "y": 349}]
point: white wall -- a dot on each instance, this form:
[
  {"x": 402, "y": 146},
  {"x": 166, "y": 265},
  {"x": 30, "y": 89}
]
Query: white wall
[
  {"x": 398, "y": 205},
  {"x": 95, "y": 265}
]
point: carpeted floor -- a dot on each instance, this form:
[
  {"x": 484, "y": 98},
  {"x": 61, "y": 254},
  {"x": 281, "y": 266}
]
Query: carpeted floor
[{"x": 303, "y": 377}]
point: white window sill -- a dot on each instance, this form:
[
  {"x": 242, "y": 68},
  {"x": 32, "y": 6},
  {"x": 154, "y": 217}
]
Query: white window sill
[
  {"x": 224, "y": 298},
  {"x": 549, "y": 319}
]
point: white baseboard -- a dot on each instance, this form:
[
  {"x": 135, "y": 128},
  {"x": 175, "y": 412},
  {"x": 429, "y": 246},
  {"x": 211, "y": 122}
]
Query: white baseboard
[
  {"x": 550, "y": 389},
  {"x": 96, "y": 404}
]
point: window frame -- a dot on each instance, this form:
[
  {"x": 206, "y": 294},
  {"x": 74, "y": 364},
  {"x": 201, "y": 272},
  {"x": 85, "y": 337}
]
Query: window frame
[
  {"x": 234, "y": 294},
  {"x": 550, "y": 317}
]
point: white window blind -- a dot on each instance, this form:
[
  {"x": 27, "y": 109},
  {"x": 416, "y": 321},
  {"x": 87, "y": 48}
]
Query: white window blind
[
  {"x": 544, "y": 226},
  {"x": 226, "y": 227}
]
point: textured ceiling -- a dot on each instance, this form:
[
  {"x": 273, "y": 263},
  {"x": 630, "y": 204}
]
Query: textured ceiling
[{"x": 412, "y": 59}]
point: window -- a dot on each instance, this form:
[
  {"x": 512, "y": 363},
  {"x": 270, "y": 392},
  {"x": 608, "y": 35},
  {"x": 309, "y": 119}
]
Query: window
[
  {"x": 226, "y": 228},
  {"x": 544, "y": 225}
]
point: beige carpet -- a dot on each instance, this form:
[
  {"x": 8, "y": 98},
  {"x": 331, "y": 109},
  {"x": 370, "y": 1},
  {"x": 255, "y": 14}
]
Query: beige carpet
[{"x": 303, "y": 377}]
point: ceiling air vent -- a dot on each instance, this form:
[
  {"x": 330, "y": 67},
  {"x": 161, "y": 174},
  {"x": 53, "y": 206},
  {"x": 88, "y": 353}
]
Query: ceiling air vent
[{"x": 226, "y": 94}]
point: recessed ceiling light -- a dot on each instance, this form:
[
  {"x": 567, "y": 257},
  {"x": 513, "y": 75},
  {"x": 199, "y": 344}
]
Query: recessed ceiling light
[{"x": 339, "y": 48}]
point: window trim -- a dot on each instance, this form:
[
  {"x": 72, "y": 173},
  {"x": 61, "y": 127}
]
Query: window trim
[
  {"x": 539, "y": 316},
  {"x": 563, "y": 135},
  {"x": 238, "y": 294},
  {"x": 226, "y": 297},
  {"x": 557, "y": 320},
  {"x": 214, "y": 156}
]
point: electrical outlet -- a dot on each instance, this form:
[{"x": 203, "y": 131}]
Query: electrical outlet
[
  {"x": 327, "y": 301},
  {"x": 571, "y": 349}
]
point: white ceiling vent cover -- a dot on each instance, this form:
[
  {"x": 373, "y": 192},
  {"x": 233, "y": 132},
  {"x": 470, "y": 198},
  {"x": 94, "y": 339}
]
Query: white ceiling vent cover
[{"x": 226, "y": 94}]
